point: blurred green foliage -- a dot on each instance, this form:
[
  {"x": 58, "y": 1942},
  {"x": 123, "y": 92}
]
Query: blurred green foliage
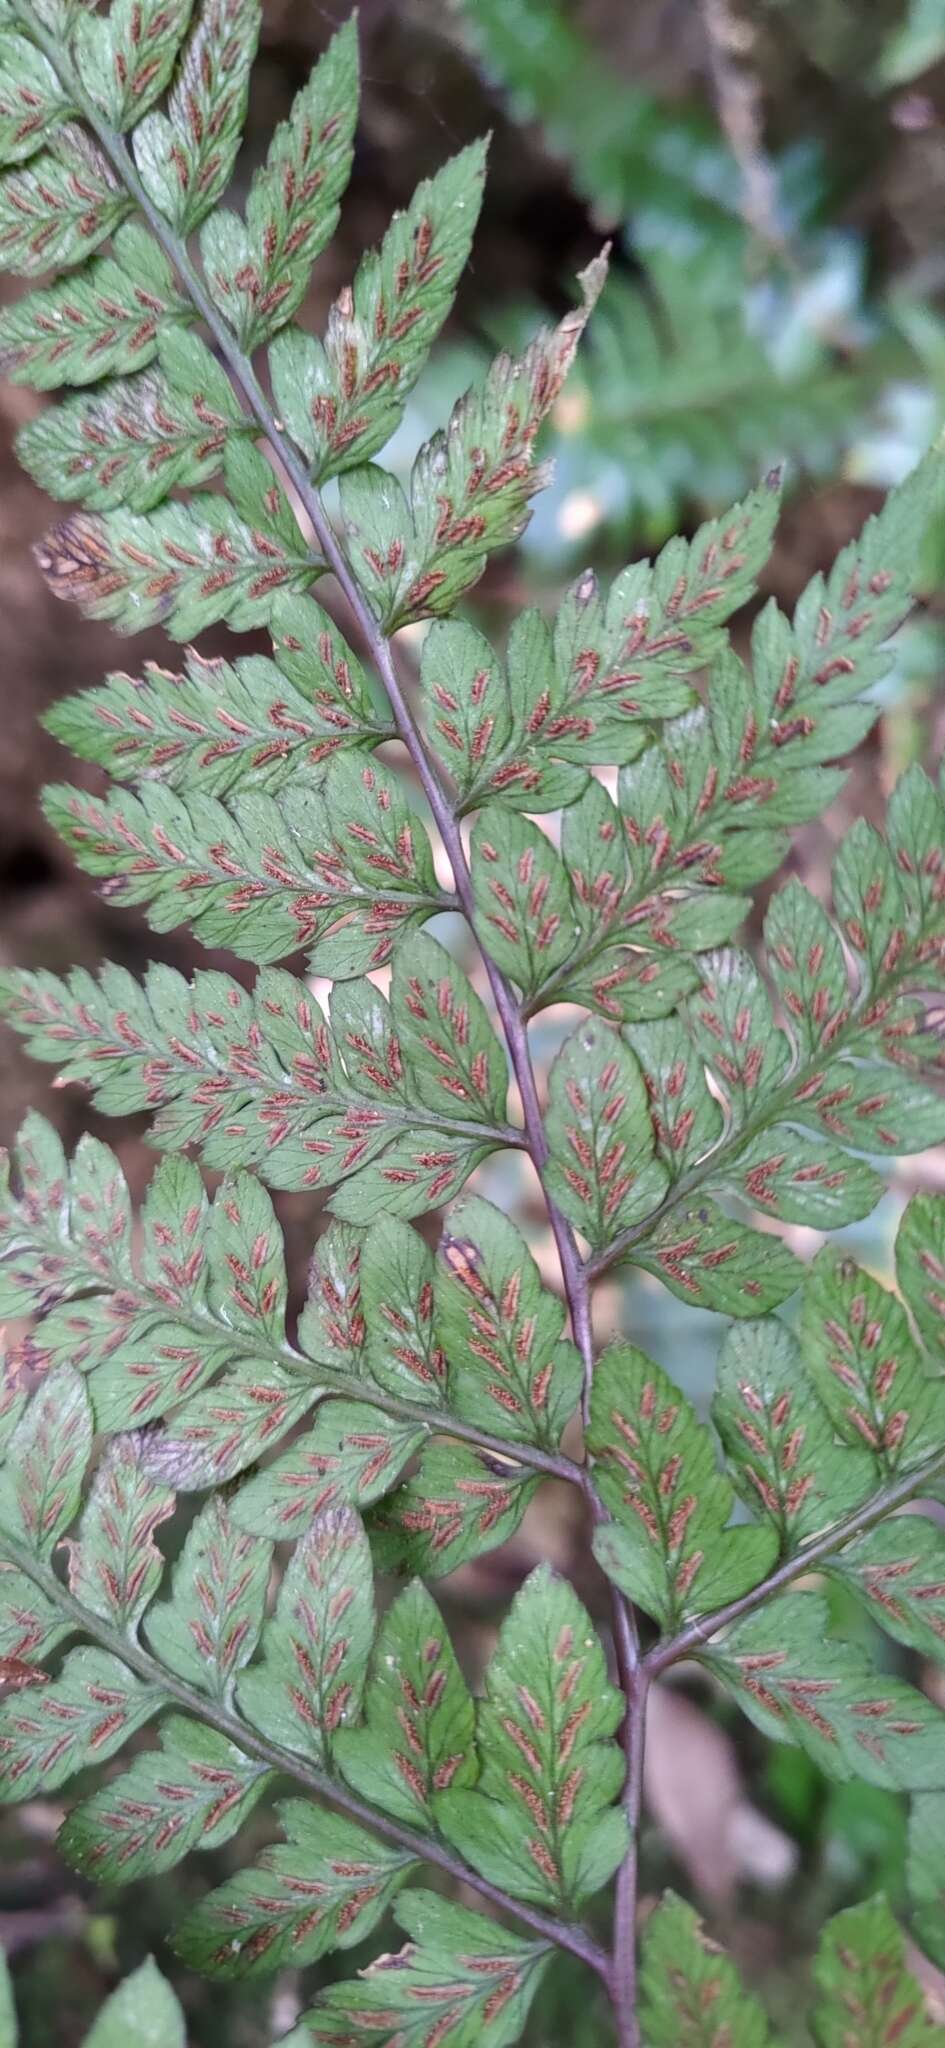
[{"x": 720, "y": 345}]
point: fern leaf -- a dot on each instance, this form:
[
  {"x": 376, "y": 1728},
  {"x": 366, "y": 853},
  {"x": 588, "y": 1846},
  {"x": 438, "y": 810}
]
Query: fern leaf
[
  {"x": 222, "y": 727},
  {"x": 523, "y": 902},
  {"x": 601, "y": 1170},
  {"x": 185, "y": 156},
  {"x": 865, "y": 1087},
  {"x": 348, "y": 1458},
  {"x": 181, "y": 566},
  {"x": 455, "y": 1506},
  {"x": 590, "y": 692},
  {"x": 397, "y": 1283},
  {"x": 291, "y": 1108},
  {"x": 125, "y": 59},
  {"x": 799, "y": 1684},
  {"x": 31, "y": 1626},
  {"x": 508, "y": 1366},
  {"x": 194, "y": 1792},
  {"x": 82, "y": 1716},
  {"x": 418, "y": 1738},
  {"x": 783, "y": 1455},
  {"x": 343, "y": 399},
  {"x": 258, "y": 270},
  {"x": 115, "y": 1566},
  {"x": 347, "y": 866},
  {"x": 498, "y": 743},
  {"x": 70, "y": 1229},
  {"x": 137, "y": 440},
  {"x": 57, "y": 209},
  {"x": 708, "y": 1260},
  {"x": 105, "y": 321},
  {"x": 33, "y": 102},
  {"x": 668, "y": 1545},
  {"x": 333, "y": 1325},
  {"x": 500, "y": 1329},
  {"x": 219, "y": 1431},
  {"x": 920, "y": 1267},
  {"x": 41, "y": 1480},
  {"x": 541, "y": 1820},
  {"x": 467, "y": 1977},
  {"x": 897, "y": 1571},
  {"x": 209, "y": 1627},
  {"x": 703, "y": 811},
  {"x": 686, "y": 1118},
  {"x": 866, "y": 1366},
  {"x": 863, "y": 1982},
  {"x": 626, "y": 150},
  {"x": 470, "y": 487},
  {"x": 142, "y": 2009},
  {"x": 925, "y": 1874},
  {"x": 325, "y": 1888},
  {"x": 315, "y": 1648},
  {"x": 690, "y": 1990}
]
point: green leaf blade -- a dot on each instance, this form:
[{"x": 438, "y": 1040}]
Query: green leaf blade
[
  {"x": 466, "y": 1977},
  {"x": 126, "y": 60},
  {"x": 352, "y": 1455},
  {"x": 144, "y": 2009},
  {"x": 258, "y": 271},
  {"x": 59, "y": 208},
  {"x": 602, "y": 1171},
  {"x": 668, "y": 1545},
  {"x": 193, "y": 1793},
  {"x": 800, "y": 1684},
  {"x": 418, "y": 1740},
  {"x": 105, "y": 321},
  {"x": 186, "y": 155},
  {"x": 501, "y": 1329},
  {"x": 82, "y": 1716},
  {"x": 525, "y": 916},
  {"x": 863, "y": 1982},
  {"x": 342, "y": 400},
  {"x": 315, "y": 1648},
  {"x": 115, "y": 1565},
  {"x": 471, "y": 484},
  {"x": 458, "y": 1505},
  {"x": 541, "y": 1822},
  {"x": 866, "y": 1366},
  {"x": 691, "y": 1995},
  {"x": 783, "y": 1456},
  {"x": 207, "y": 1631},
  {"x": 136, "y": 439},
  {"x": 325, "y": 1888},
  {"x": 41, "y": 1483}
]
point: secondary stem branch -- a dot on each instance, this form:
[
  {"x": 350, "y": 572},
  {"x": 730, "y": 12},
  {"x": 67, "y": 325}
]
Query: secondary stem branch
[
  {"x": 319, "y": 1782},
  {"x": 696, "y": 1634}
]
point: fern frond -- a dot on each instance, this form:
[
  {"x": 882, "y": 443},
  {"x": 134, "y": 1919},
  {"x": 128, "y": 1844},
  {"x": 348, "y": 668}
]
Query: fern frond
[
  {"x": 343, "y": 399},
  {"x": 104, "y": 321},
  {"x": 186, "y": 155},
  {"x": 470, "y": 486},
  {"x": 429, "y": 1393},
  {"x": 224, "y": 728},
  {"x": 258, "y": 269}
]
